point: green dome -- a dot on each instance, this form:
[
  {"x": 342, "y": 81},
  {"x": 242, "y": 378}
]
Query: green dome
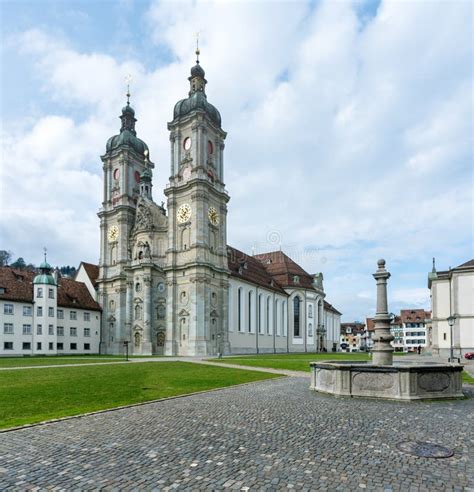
[
  {"x": 45, "y": 265},
  {"x": 126, "y": 137},
  {"x": 197, "y": 101},
  {"x": 44, "y": 278}
]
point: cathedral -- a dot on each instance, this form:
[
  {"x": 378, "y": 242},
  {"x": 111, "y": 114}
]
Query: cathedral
[{"x": 167, "y": 282}]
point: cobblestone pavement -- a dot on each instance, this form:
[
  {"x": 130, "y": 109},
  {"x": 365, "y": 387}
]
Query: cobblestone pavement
[{"x": 272, "y": 435}]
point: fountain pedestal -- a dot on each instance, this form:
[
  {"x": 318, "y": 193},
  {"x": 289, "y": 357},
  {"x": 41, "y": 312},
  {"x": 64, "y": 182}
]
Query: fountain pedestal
[{"x": 382, "y": 378}]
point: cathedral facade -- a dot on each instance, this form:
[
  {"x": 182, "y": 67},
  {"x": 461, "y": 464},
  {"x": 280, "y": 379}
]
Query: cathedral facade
[{"x": 168, "y": 283}]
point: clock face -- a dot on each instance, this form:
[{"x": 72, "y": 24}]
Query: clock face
[
  {"x": 187, "y": 143},
  {"x": 184, "y": 213},
  {"x": 161, "y": 287},
  {"x": 116, "y": 173},
  {"x": 113, "y": 233},
  {"x": 213, "y": 216}
]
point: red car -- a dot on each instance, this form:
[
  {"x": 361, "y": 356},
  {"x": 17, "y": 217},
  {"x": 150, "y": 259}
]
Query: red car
[{"x": 469, "y": 355}]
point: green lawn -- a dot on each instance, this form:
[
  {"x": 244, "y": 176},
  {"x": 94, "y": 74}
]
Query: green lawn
[
  {"x": 33, "y": 395},
  {"x": 467, "y": 378},
  {"x": 292, "y": 362}
]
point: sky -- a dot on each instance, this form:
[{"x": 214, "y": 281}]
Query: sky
[{"x": 350, "y": 127}]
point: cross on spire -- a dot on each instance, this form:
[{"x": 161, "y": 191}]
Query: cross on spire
[
  {"x": 45, "y": 250},
  {"x": 128, "y": 79},
  {"x": 198, "y": 52}
]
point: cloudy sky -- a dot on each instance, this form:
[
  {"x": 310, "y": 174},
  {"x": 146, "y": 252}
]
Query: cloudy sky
[{"x": 349, "y": 127}]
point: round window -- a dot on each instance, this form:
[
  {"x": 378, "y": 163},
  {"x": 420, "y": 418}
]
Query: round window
[
  {"x": 210, "y": 148},
  {"x": 137, "y": 176},
  {"x": 187, "y": 143},
  {"x": 116, "y": 173}
]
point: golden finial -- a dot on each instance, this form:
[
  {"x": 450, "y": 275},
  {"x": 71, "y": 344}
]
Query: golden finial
[
  {"x": 198, "y": 52},
  {"x": 128, "y": 79}
]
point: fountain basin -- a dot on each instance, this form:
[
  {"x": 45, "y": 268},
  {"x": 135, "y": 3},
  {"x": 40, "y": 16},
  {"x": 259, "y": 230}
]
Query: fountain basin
[{"x": 403, "y": 381}]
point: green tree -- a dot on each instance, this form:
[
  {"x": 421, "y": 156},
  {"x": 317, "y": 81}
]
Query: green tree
[
  {"x": 5, "y": 257},
  {"x": 19, "y": 263}
]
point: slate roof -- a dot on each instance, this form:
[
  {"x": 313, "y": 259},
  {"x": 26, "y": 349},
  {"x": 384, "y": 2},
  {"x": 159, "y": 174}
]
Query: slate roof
[
  {"x": 469, "y": 263},
  {"x": 245, "y": 267},
  {"x": 330, "y": 307},
  {"x": 283, "y": 269},
  {"x": 18, "y": 285}
]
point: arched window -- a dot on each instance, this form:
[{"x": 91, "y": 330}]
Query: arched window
[
  {"x": 239, "y": 309},
  {"x": 260, "y": 313},
  {"x": 277, "y": 318},
  {"x": 268, "y": 315},
  {"x": 296, "y": 317},
  {"x": 250, "y": 312},
  {"x": 230, "y": 309},
  {"x": 138, "y": 287},
  {"x": 283, "y": 318}
]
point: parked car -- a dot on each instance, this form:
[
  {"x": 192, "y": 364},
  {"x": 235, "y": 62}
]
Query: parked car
[{"x": 469, "y": 355}]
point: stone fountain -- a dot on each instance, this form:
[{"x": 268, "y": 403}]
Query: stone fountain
[{"x": 381, "y": 378}]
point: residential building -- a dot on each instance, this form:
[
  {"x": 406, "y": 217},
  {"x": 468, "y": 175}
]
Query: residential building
[
  {"x": 41, "y": 314},
  {"x": 410, "y": 329},
  {"x": 353, "y": 337}
]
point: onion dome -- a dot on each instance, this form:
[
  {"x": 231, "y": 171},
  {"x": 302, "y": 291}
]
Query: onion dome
[
  {"x": 197, "y": 99},
  {"x": 44, "y": 277},
  {"x": 128, "y": 135}
]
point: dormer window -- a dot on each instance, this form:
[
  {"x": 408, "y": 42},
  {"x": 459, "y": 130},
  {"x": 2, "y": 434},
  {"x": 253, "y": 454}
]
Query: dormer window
[
  {"x": 296, "y": 279},
  {"x": 2, "y": 290}
]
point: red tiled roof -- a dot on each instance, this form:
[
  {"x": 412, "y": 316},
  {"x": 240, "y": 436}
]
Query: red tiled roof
[
  {"x": 414, "y": 315},
  {"x": 92, "y": 272},
  {"x": 248, "y": 268},
  {"x": 283, "y": 269},
  {"x": 369, "y": 322},
  {"x": 75, "y": 294},
  {"x": 18, "y": 285}
]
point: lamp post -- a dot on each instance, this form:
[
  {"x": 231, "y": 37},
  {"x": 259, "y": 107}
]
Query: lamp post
[
  {"x": 451, "y": 321},
  {"x": 126, "y": 342}
]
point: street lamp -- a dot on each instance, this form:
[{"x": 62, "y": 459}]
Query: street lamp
[
  {"x": 126, "y": 342},
  {"x": 451, "y": 321}
]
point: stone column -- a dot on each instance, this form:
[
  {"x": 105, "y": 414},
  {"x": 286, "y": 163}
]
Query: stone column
[
  {"x": 382, "y": 351},
  {"x": 129, "y": 312},
  {"x": 147, "y": 317}
]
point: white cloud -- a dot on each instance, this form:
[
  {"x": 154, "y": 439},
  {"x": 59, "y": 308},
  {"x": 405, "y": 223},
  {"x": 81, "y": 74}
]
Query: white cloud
[{"x": 351, "y": 136}]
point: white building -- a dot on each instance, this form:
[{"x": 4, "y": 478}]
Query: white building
[
  {"x": 415, "y": 330},
  {"x": 452, "y": 294},
  {"x": 44, "y": 315}
]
